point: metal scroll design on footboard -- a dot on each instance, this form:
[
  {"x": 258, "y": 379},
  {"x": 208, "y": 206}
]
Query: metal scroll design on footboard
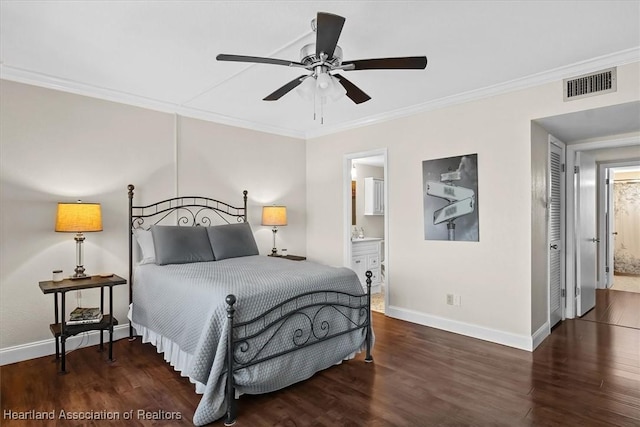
[
  {"x": 183, "y": 211},
  {"x": 297, "y": 323}
]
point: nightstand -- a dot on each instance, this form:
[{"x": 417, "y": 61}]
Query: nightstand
[
  {"x": 290, "y": 257},
  {"x": 61, "y": 331}
]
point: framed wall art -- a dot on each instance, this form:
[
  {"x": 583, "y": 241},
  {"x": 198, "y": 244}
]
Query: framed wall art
[{"x": 450, "y": 196}]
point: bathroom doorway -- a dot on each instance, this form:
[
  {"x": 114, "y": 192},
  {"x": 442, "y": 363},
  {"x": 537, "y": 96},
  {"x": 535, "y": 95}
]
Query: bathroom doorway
[{"x": 366, "y": 219}]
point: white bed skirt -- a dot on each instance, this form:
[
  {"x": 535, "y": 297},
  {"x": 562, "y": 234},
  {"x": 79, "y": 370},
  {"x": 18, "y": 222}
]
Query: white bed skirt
[{"x": 173, "y": 354}]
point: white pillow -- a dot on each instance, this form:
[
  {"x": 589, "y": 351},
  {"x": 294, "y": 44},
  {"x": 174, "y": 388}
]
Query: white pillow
[{"x": 145, "y": 241}]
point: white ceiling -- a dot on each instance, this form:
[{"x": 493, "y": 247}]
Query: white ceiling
[
  {"x": 162, "y": 54},
  {"x": 575, "y": 127}
]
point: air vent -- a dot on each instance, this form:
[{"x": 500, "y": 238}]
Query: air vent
[{"x": 590, "y": 84}]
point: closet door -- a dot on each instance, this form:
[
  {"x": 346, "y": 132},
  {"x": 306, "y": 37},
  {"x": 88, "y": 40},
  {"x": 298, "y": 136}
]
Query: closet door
[{"x": 556, "y": 233}]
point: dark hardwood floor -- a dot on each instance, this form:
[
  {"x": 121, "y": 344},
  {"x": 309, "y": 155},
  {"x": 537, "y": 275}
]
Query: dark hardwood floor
[
  {"x": 585, "y": 374},
  {"x": 616, "y": 308}
]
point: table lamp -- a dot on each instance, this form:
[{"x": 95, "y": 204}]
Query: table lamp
[
  {"x": 78, "y": 218},
  {"x": 274, "y": 216}
]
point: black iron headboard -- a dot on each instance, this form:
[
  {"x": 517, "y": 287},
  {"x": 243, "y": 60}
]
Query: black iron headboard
[{"x": 184, "y": 211}]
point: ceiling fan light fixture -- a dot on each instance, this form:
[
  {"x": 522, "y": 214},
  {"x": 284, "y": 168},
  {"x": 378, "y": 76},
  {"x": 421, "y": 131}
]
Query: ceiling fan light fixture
[
  {"x": 321, "y": 88},
  {"x": 324, "y": 83},
  {"x": 337, "y": 90},
  {"x": 328, "y": 88},
  {"x": 307, "y": 88}
]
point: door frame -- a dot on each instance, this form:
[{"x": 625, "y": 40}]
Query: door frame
[
  {"x": 604, "y": 205},
  {"x": 563, "y": 227},
  {"x": 346, "y": 216},
  {"x": 570, "y": 256}
]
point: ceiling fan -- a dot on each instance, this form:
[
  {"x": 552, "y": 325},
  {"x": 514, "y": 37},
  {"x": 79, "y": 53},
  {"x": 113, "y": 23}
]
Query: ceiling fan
[{"x": 324, "y": 57}]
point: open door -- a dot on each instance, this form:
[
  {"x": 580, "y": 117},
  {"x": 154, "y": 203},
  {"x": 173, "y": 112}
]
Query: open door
[
  {"x": 610, "y": 233},
  {"x": 586, "y": 232}
]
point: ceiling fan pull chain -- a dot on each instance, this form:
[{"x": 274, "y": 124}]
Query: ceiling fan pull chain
[{"x": 314, "y": 105}]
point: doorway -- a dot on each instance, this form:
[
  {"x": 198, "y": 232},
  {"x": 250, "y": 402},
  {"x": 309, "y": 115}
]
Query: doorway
[
  {"x": 618, "y": 296},
  {"x": 620, "y": 201},
  {"x": 617, "y": 303},
  {"x": 366, "y": 219},
  {"x": 605, "y": 151}
]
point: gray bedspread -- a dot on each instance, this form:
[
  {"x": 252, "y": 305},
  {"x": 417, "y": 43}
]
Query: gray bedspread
[{"x": 186, "y": 303}]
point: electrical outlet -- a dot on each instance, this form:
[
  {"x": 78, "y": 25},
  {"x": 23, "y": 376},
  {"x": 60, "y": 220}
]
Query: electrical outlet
[
  {"x": 457, "y": 300},
  {"x": 449, "y": 299}
]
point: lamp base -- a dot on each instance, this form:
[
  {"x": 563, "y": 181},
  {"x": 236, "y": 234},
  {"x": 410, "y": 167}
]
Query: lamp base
[
  {"x": 79, "y": 273},
  {"x": 274, "y": 250}
]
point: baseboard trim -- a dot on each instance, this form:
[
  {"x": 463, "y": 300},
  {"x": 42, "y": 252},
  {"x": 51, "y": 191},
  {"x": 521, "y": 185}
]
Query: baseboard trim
[
  {"x": 47, "y": 347},
  {"x": 538, "y": 336},
  {"x": 521, "y": 342}
]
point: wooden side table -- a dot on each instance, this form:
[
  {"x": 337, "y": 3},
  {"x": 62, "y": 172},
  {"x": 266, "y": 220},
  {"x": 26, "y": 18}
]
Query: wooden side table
[{"x": 61, "y": 331}]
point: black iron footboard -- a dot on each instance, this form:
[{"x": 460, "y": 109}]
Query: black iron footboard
[{"x": 297, "y": 323}]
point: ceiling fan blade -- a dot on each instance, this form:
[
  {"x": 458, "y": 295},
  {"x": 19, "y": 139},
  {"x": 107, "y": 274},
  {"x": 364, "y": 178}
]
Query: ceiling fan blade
[
  {"x": 279, "y": 93},
  {"x": 353, "y": 92},
  {"x": 257, "y": 60},
  {"x": 402, "y": 63},
  {"x": 328, "y": 29}
]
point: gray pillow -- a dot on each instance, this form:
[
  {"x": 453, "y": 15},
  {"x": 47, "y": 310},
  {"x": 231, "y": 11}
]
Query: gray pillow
[
  {"x": 180, "y": 245},
  {"x": 232, "y": 240}
]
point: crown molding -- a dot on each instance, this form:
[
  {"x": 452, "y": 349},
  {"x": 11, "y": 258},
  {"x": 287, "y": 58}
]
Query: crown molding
[
  {"x": 584, "y": 67},
  {"x": 50, "y": 82},
  {"x": 38, "y": 79}
]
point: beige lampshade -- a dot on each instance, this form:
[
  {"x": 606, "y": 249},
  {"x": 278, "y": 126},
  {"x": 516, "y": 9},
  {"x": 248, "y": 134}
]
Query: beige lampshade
[
  {"x": 79, "y": 217},
  {"x": 274, "y": 215}
]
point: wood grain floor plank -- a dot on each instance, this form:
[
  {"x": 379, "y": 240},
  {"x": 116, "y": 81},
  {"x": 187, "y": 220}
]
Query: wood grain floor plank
[{"x": 616, "y": 308}]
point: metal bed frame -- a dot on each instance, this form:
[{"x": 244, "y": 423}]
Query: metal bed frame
[{"x": 248, "y": 342}]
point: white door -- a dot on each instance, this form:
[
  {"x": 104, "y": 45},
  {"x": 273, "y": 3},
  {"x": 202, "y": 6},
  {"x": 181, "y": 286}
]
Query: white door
[
  {"x": 556, "y": 233},
  {"x": 586, "y": 236},
  {"x": 610, "y": 228}
]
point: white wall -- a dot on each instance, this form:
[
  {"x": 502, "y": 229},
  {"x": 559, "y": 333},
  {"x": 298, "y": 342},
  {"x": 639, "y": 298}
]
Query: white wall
[
  {"x": 225, "y": 160},
  {"x": 61, "y": 147},
  {"x": 493, "y": 276},
  {"x": 614, "y": 154},
  {"x": 57, "y": 146}
]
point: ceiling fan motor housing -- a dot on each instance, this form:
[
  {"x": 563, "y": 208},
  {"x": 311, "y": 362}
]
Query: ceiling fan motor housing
[{"x": 308, "y": 56}]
